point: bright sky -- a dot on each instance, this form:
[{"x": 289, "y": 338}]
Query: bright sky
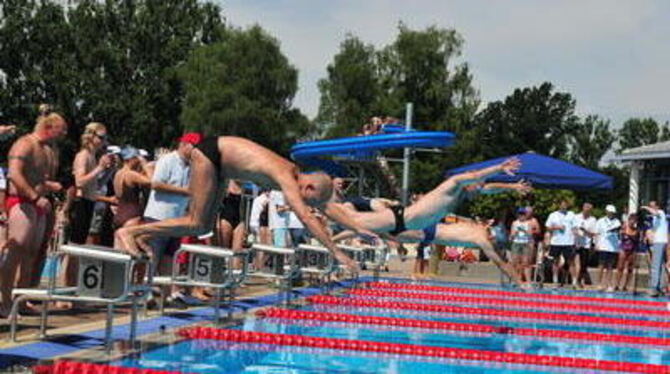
[{"x": 612, "y": 56}]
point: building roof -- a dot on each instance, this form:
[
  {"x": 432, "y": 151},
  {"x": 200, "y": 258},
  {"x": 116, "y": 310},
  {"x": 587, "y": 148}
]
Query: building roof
[{"x": 646, "y": 152}]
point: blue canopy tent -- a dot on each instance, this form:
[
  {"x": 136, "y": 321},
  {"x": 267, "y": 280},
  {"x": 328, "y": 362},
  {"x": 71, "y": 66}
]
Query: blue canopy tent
[{"x": 546, "y": 172}]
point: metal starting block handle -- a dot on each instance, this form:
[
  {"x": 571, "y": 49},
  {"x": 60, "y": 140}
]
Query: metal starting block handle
[
  {"x": 315, "y": 259},
  {"x": 207, "y": 250},
  {"x": 356, "y": 253},
  {"x": 96, "y": 252},
  {"x": 284, "y": 262}
]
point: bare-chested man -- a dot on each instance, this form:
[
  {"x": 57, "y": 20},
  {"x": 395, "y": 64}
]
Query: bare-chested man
[
  {"x": 30, "y": 164},
  {"x": 228, "y": 157},
  {"x": 461, "y": 233}
]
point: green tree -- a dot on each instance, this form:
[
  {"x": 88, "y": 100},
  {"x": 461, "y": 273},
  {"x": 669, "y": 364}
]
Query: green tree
[
  {"x": 109, "y": 61},
  {"x": 590, "y": 140},
  {"x": 350, "y": 93},
  {"x": 530, "y": 119},
  {"x": 243, "y": 86},
  {"x": 636, "y": 132}
]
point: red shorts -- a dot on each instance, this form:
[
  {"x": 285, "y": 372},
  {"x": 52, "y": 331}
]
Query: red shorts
[{"x": 13, "y": 200}]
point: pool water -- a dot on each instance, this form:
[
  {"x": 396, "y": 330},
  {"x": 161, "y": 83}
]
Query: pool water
[{"x": 211, "y": 356}]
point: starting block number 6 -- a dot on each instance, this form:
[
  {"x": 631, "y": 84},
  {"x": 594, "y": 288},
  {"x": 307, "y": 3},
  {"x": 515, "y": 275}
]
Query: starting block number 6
[{"x": 90, "y": 277}]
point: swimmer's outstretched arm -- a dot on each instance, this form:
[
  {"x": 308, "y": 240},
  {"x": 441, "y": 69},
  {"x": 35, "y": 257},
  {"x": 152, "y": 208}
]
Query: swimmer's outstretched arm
[
  {"x": 338, "y": 213},
  {"x": 509, "y": 166},
  {"x": 293, "y": 199},
  {"x": 521, "y": 187}
]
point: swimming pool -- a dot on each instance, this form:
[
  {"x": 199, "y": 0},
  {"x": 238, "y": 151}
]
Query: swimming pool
[{"x": 431, "y": 327}]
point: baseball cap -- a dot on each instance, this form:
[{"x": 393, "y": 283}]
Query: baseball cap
[
  {"x": 191, "y": 138},
  {"x": 113, "y": 149},
  {"x": 610, "y": 208},
  {"x": 129, "y": 152}
]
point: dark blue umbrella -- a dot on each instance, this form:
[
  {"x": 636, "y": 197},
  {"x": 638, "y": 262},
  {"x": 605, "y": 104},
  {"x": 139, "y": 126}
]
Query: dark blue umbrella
[{"x": 546, "y": 172}]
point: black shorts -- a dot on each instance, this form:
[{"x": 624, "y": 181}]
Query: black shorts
[
  {"x": 420, "y": 252},
  {"x": 607, "y": 259},
  {"x": 567, "y": 251},
  {"x": 81, "y": 214}
]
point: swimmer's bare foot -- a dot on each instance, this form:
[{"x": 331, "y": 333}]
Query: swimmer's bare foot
[
  {"x": 64, "y": 305},
  {"x": 200, "y": 294},
  {"x": 128, "y": 243}
]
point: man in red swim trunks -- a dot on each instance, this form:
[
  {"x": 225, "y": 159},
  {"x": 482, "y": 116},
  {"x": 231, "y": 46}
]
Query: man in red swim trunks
[{"x": 31, "y": 161}]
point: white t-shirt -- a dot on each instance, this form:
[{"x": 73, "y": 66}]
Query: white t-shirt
[
  {"x": 608, "y": 234},
  {"x": 257, "y": 209},
  {"x": 521, "y": 231},
  {"x": 173, "y": 170},
  {"x": 583, "y": 227},
  {"x": 564, "y": 236},
  {"x": 659, "y": 227},
  {"x": 277, "y": 220},
  {"x": 3, "y": 180},
  {"x": 294, "y": 222}
]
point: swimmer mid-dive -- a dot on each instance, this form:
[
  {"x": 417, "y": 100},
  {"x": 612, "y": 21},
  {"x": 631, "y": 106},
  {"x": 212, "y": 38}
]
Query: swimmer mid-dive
[
  {"x": 461, "y": 233},
  {"x": 217, "y": 158},
  {"x": 436, "y": 204}
]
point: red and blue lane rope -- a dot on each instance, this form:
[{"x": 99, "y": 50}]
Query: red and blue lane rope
[
  {"x": 411, "y": 350},
  {"x": 633, "y": 304},
  {"x": 511, "y": 314},
  {"x": 513, "y": 303},
  {"x": 459, "y": 327}
]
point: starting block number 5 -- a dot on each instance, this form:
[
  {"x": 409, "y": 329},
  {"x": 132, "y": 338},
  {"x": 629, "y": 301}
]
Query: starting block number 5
[{"x": 202, "y": 268}]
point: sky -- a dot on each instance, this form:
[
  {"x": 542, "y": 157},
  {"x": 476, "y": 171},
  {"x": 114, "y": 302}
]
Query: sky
[{"x": 612, "y": 56}]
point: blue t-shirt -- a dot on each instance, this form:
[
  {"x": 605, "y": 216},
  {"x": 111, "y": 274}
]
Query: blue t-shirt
[{"x": 173, "y": 170}]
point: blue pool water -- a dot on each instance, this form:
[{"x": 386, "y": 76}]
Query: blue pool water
[{"x": 208, "y": 356}]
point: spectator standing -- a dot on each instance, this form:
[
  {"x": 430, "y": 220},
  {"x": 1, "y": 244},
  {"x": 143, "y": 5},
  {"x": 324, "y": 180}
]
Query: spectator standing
[
  {"x": 608, "y": 247},
  {"x": 562, "y": 242},
  {"x": 169, "y": 198},
  {"x": 31, "y": 161},
  {"x": 522, "y": 237},
  {"x": 296, "y": 230},
  {"x": 630, "y": 239},
  {"x": 278, "y": 219},
  {"x": 585, "y": 231},
  {"x": 657, "y": 235}
]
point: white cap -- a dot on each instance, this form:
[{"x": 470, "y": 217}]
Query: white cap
[
  {"x": 144, "y": 153},
  {"x": 610, "y": 208},
  {"x": 113, "y": 149}
]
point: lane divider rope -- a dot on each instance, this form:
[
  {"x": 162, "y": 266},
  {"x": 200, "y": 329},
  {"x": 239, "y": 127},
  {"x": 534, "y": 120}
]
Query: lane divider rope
[
  {"x": 418, "y": 350},
  {"x": 73, "y": 367},
  {"x": 513, "y": 314},
  {"x": 524, "y": 304},
  {"x": 461, "y": 327},
  {"x": 634, "y": 304}
]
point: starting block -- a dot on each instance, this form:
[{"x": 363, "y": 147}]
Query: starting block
[
  {"x": 106, "y": 276},
  {"x": 209, "y": 266},
  {"x": 317, "y": 261}
]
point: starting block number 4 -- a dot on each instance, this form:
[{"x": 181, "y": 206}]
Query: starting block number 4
[
  {"x": 100, "y": 279},
  {"x": 207, "y": 269}
]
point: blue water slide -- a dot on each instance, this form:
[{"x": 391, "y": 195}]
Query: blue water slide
[{"x": 362, "y": 147}]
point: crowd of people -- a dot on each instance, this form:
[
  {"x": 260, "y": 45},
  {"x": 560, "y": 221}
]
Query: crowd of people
[{"x": 569, "y": 242}]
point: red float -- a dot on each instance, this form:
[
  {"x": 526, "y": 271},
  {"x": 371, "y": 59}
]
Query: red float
[
  {"x": 72, "y": 367},
  {"x": 514, "y": 303},
  {"x": 429, "y": 351},
  {"x": 634, "y": 304},
  {"x": 514, "y": 314}
]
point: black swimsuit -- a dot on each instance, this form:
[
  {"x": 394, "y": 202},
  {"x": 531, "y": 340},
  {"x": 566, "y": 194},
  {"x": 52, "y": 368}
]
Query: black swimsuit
[
  {"x": 209, "y": 147},
  {"x": 230, "y": 209},
  {"x": 399, "y": 214}
]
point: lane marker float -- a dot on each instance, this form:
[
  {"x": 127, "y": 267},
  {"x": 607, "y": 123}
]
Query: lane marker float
[
  {"x": 512, "y": 314},
  {"x": 461, "y": 327},
  {"x": 634, "y": 304},
  {"x": 73, "y": 367},
  {"x": 522, "y": 304},
  {"x": 418, "y": 350}
]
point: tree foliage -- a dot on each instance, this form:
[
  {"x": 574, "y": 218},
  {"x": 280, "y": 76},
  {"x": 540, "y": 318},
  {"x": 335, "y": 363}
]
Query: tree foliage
[
  {"x": 243, "y": 86},
  {"x": 636, "y": 132},
  {"x": 108, "y": 61},
  {"x": 590, "y": 140}
]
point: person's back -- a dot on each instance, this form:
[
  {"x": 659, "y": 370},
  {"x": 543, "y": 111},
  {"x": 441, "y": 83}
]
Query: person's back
[{"x": 170, "y": 169}]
